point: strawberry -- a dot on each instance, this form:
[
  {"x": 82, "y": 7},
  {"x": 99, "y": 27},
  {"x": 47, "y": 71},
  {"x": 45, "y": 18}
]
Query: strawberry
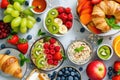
[
  {"x": 55, "y": 63},
  {"x": 49, "y": 56},
  {"x": 117, "y": 66},
  {"x": 13, "y": 39},
  {"x": 95, "y": 1},
  {"x": 52, "y": 46},
  {"x": 57, "y": 48},
  {"x": 57, "y": 56},
  {"x": 47, "y": 51},
  {"x": 50, "y": 61},
  {"x": 23, "y": 45},
  {"x": 68, "y": 24},
  {"x": 116, "y": 77},
  {"x": 70, "y": 17},
  {"x": 52, "y": 41},
  {"x": 52, "y": 51},
  {"x": 68, "y": 10},
  {"x": 46, "y": 46},
  {"x": 4, "y": 3},
  {"x": 60, "y": 10}
]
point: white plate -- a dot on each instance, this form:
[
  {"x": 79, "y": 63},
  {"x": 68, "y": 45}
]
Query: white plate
[{"x": 15, "y": 53}]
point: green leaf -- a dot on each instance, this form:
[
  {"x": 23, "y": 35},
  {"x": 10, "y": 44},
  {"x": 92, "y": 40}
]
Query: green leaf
[
  {"x": 27, "y": 60},
  {"x": 40, "y": 33},
  {"x": 99, "y": 41},
  {"x": 47, "y": 38},
  {"x": 22, "y": 63},
  {"x": 21, "y": 56},
  {"x": 79, "y": 49}
]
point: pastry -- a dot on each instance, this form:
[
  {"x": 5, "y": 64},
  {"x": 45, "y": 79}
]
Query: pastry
[
  {"x": 36, "y": 75},
  {"x": 10, "y": 65},
  {"x": 101, "y": 10}
]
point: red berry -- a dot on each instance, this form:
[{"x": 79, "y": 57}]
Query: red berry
[
  {"x": 55, "y": 62},
  {"x": 52, "y": 46},
  {"x": 68, "y": 24},
  {"x": 57, "y": 56},
  {"x": 68, "y": 10},
  {"x": 50, "y": 61},
  {"x": 47, "y": 51},
  {"x": 64, "y": 16},
  {"x": 60, "y": 10},
  {"x": 52, "y": 41},
  {"x": 49, "y": 56},
  {"x": 46, "y": 46},
  {"x": 70, "y": 17},
  {"x": 57, "y": 48},
  {"x": 52, "y": 51}
]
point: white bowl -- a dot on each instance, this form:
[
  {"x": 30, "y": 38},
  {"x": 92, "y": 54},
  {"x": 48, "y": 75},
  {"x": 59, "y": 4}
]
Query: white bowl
[
  {"x": 57, "y": 35},
  {"x": 30, "y": 4},
  {"x": 111, "y": 50}
]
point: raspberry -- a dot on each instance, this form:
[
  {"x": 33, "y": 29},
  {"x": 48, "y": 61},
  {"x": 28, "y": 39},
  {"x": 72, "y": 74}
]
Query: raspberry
[
  {"x": 68, "y": 24},
  {"x": 47, "y": 51},
  {"x": 52, "y": 46},
  {"x": 52, "y": 41},
  {"x": 49, "y": 56},
  {"x": 46, "y": 46},
  {"x": 55, "y": 63},
  {"x": 70, "y": 17},
  {"x": 60, "y": 10},
  {"x": 57, "y": 48},
  {"x": 68, "y": 10},
  {"x": 52, "y": 51},
  {"x": 50, "y": 61},
  {"x": 63, "y": 16}
]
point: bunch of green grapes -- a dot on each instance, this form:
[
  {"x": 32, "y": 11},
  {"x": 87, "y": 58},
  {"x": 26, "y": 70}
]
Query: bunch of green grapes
[{"x": 19, "y": 18}]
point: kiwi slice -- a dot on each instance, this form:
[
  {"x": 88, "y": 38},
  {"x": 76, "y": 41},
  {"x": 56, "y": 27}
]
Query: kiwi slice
[
  {"x": 53, "y": 13},
  {"x": 38, "y": 45},
  {"x": 40, "y": 61},
  {"x": 36, "y": 52},
  {"x": 48, "y": 20},
  {"x": 54, "y": 28}
]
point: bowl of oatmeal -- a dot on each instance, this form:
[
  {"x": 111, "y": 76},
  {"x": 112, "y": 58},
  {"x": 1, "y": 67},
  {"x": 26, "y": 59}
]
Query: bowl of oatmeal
[{"x": 79, "y": 52}]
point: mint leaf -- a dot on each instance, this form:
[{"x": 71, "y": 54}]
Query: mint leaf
[
  {"x": 79, "y": 49},
  {"x": 21, "y": 56},
  {"x": 40, "y": 33},
  {"x": 99, "y": 41}
]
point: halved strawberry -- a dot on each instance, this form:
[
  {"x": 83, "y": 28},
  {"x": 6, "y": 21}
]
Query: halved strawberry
[{"x": 57, "y": 56}]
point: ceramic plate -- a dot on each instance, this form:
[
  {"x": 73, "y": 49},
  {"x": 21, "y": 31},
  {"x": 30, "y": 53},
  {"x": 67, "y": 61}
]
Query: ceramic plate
[{"x": 15, "y": 53}]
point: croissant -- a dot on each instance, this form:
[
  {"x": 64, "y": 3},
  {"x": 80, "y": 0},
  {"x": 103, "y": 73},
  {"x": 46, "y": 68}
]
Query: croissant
[
  {"x": 10, "y": 65},
  {"x": 101, "y": 10}
]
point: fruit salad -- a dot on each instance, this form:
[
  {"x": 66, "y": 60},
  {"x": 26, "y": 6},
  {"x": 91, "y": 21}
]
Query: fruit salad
[
  {"x": 4, "y": 30},
  {"x": 47, "y": 53},
  {"x": 59, "y": 20},
  {"x": 79, "y": 52}
]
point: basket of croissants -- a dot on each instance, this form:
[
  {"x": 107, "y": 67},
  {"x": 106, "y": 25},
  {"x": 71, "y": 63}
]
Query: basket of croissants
[{"x": 99, "y": 16}]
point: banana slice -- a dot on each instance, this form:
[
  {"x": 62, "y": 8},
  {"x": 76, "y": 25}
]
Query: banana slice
[
  {"x": 58, "y": 21},
  {"x": 63, "y": 29}
]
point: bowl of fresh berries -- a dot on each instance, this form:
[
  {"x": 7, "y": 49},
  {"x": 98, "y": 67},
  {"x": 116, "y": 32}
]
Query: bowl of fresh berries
[
  {"x": 58, "y": 20},
  {"x": 47, "y": 53}
]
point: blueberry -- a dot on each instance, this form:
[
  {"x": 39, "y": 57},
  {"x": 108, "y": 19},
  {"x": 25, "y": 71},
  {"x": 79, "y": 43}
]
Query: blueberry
[
  {"x": 110, "y": 68},
  {"x": 58, "y": 78},
  {"x": 67, "y": 73},
  {"x": 60, "y": 73},
  {"x": 70, "y": 78},
  {"x": 49, "y": 75},
  {"x": 26, "y": 3},
  {"x": 76, "y": 78},
  {"x": 110, "y": 73},
  {"x": 80, "y": 68},
  {"x": 2, "y": 46},
  {"x": 72, "y": 73},
  {"x": 82, "y": 29},
  {"x": 29, "y": 37},
  {"x": 53, "y": 74},
  {"x": 66, "y": 69},
  {"x": 70, "y": 69},
  {"x": 63, "y": 70},
  {"x": 78, "y": 74},
  {"x": 110, "y": 77},
  {"x": 62, "y": 78},
  {"x": 38, "y": 19},
  {"x": 7, "y": 52}
]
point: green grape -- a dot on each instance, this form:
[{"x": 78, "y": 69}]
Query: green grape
[
  {"x": 9, "y": 10},
  {"x": 31, "y": 18},
  {"x": 16, "y": 22},
  {"x": 17, "y": 6},
  {"x": 7, "y": 18},
  {"x": 23, "y": 22},
  {"x": 5, "y": 12},
  {"x": 10, "y": 6},
  {"x": 30, "y": 24},
  {"x": 16, "y": 29},
  {"x": 15, "y": 13},
  {"x": 23, "y": 29},
  {"x": 28, "y": 12}
]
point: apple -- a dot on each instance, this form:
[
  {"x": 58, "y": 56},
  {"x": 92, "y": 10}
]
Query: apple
[{"x": 96, "y": 70}]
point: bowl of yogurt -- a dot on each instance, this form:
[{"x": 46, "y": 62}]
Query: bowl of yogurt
[{"x": 79, "y": 52}]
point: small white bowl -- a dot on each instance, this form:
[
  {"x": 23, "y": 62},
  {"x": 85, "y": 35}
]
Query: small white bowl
[
  {"x": 57, "y": 35},
  {"x": 111, "y": 51},
  {"x": 30, "y": 4}
]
